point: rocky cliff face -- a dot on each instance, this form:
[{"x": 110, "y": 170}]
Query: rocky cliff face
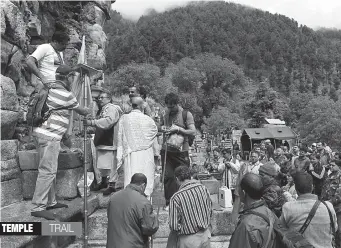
[{"x": 26, "y": 24}]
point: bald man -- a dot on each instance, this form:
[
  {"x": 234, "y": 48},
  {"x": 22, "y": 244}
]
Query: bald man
[
  {"x": 130, "y": 216},
  {"x": 252, "y": 230},
  {"x": 136, "y": 133}
]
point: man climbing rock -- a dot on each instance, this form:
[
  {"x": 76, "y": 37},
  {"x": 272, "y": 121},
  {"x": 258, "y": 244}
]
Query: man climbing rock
[{"x": 60, "y": 100}]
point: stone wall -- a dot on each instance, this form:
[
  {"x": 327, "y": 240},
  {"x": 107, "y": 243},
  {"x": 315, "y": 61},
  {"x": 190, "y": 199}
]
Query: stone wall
[
  {"x": 24, "y": 26},
  {"x": 11, "y": 186}
]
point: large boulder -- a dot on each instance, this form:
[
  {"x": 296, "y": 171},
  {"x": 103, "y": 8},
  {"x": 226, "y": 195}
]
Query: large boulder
[
  {"x": 34, "y": 26},
  {"x": 29, "y": 160},
  {"x": 47, "y": 25},
  {"x": 29, "y": 179},
  {"x": 6, "y": 52},
  {"x": 105, "y": 6},
  {"x": 16, "y": 28},
  {"x": 9, "y": 99},
  {"x": 9, "y": 170},
  {"x": 15, "y": 66},
  {"x": 9, "y": 149},
  {"x": 11, "y": 192},
  {"x": 97, "y": 35},
  {"x": 2, "y": 23},
  {"x": 9, "y": 121},
  {"x": 97, "y": 56},
  {"x": 9, "y": 108},
  {"x": 66, "y": 183}
]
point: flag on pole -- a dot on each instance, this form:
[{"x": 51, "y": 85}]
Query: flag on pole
[{"x": 78, "y": 91}]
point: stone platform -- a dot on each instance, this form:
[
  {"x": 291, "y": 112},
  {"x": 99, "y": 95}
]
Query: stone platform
[{"x": 20, "y": 212}]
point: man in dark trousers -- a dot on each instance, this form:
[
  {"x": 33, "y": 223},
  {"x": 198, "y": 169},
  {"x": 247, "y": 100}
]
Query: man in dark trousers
[
  {"x": 131, "y": 220},
  {"x": 180, "y": 122}
]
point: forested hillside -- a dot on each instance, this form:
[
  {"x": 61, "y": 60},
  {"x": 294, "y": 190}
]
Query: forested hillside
[{"x": 232, "y": 65}]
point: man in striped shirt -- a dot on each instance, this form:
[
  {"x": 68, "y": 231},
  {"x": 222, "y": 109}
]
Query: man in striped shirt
[
  {"x": 190, "y": 212},
  {"x": 60, "y": 101}
]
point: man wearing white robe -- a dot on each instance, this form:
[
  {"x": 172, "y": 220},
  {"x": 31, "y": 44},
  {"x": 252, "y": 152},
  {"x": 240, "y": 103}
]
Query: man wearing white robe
[{"x": 136, "y": 134}]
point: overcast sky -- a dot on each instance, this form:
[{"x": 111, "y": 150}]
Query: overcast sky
[{"x": 313, "y": 13}]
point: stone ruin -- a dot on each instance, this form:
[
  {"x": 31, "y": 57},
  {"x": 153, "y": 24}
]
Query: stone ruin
[{"x": 24, "y": 26}]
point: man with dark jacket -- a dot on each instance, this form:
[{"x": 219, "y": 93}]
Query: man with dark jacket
[
  {"x": 106, "y": 142},
  {"x": 131, "y": 220},
  {"x": 253, "y": 231}
]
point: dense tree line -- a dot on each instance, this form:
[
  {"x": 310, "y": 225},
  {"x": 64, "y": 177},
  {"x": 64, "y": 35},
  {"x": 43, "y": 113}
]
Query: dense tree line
[{"x": 224, "y": 57}]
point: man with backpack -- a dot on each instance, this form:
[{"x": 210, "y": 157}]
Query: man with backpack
[
  {"x": 44, "y": 61},
  {"x": 178, "y": 127},
  {"x": 60, "y": 100},
  {"x": 255, "y": 226},
  {"x": 315, "y": 220}
]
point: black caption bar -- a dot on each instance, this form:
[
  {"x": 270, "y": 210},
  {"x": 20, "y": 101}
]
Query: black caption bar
[{"x": 20, "y": 228}]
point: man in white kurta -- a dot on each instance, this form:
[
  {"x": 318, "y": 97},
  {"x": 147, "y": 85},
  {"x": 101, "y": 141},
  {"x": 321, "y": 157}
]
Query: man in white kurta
[{"x": 136, "y": 134}]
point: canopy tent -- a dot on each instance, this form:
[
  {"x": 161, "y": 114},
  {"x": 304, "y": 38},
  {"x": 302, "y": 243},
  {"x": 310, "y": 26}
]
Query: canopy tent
[{"x": 254, "y": 135}]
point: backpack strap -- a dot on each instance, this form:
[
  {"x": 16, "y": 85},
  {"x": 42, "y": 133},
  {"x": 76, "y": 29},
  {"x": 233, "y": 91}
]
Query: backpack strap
[
  {"x": 332, "y": 225},
  {"x": 61, "y": 60},
  {"x": 184, "y": 117},
  {"x": 266, "y": 218},
  {"x": 310, "y": 217}
]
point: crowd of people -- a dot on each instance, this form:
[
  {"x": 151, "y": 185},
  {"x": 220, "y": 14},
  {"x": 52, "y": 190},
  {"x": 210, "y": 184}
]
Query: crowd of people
[
  {"x": 299, "y": 188},
  {"x": 292, "y": 181}
]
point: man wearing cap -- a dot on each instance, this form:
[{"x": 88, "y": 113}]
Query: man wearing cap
[
  {"x": 106, "y": 141},
  {"x": 272, "y": 192},
  {"x": 331, "y": 192},
  {"x": 48, "y": 136},
  {"x": 136, "y": 134}
]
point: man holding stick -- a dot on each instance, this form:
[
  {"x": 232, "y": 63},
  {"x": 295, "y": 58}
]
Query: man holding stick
[{"x": 176, "y": 121}]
